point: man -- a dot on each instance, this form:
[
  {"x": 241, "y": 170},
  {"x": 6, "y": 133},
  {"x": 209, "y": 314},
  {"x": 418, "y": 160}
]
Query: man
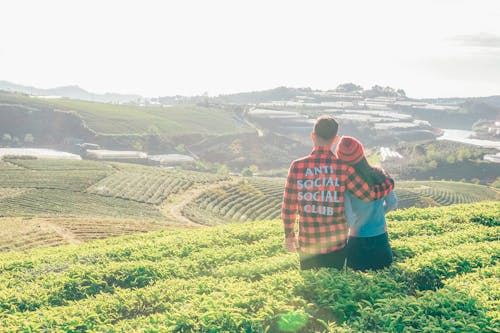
[{"x": 314, "y": 189}]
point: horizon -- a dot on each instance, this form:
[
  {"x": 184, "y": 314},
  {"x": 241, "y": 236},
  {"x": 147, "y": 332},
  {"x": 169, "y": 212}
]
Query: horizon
[{"x": 428, "y": 48}]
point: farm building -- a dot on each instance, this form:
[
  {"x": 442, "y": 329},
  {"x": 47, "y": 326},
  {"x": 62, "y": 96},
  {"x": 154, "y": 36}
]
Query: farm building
[{"x": 130, "y": 156}]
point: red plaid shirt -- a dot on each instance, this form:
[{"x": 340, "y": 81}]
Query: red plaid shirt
[{"x": 315, "y": 189}]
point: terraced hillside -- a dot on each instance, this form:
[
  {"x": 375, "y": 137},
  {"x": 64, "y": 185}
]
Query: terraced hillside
[
  {"x": 442, "y": 193},
  {"x": 260, "y": 198},
  {"x": 115, "y": 119},
  {"x": 65, "y": 200},
  {"x": 174, "y": 120},
  {"x": 248, "y": 200},
  {"x": 238, "y": 278},
  {"x": 24, "y": 233}
]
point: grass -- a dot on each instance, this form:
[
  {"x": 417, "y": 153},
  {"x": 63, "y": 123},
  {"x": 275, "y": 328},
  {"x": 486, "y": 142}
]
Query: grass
[
  {"x": 105, "y": 118},
  {"x": 114, "y": 119}
]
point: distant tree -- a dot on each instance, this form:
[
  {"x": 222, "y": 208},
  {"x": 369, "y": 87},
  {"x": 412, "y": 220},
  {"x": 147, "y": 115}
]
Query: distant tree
[
  {"x": 222, "y": 169},
  {"x": 348, "y": 87},
  {"x": 28, "y": 138},
  {"x": 153, "y": 130},
  {"x": 236, "y": 146},
  {"x": 7, "y": 137},
  {"x": 246, "y": 172},
  {"x": 16, "y": 140},
  {"x": 181, "y": 148},
  {"x": 475, "y": 181},
  {"x": 496, "y": 183},
  {"x": 137, "y": 145},
  {"x": 253, "y": 168},
  {"x": 401, "y": 93}
]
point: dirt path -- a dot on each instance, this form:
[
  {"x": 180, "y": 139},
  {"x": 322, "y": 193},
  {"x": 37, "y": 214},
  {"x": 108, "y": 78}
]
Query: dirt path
[
  {"x": 172, "y": 207},
  {"x": 67, "y": 235}
]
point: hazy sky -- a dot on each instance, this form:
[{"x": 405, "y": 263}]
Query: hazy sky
[{"x": 429, "y": 48}]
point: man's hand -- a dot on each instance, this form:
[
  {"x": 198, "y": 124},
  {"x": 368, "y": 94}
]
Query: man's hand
[{"x": 291, "y": 244}]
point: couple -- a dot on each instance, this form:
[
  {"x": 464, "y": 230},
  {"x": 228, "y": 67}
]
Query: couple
[{"x": 332, "y": 193}]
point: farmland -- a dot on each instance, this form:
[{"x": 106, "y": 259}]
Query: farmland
[
  {"x": 105, "y": 118},
  {"x": 86, "y": 188},
  {"x": 260, "y": 198},
  {"x": 238, "y": 278},
  {"x": 51, "y": 187},
  {"x": 245, "y": 201}
]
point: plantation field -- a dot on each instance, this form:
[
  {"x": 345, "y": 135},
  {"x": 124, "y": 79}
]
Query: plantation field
[
  {"x": 46, "y": 187},
  {"x": 150, "y": 185},
  {"x": 238, "y": 278},
  {"x": 21, "y": 234},
  {"x": 105, "y": 118},
  {"x": 249, "y": 200},
  {"x": 260, "y": 198},
  {"x": 442, "y": 193}
]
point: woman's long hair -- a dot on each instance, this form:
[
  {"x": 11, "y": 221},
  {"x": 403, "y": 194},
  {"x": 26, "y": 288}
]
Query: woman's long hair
[{"x": 371, "y": 175}]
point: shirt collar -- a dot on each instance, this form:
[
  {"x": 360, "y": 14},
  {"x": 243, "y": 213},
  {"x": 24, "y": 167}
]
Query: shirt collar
[{"x": 322, "y": 150}]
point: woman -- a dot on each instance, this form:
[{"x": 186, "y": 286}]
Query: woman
[{"x": 368, "y": 244}]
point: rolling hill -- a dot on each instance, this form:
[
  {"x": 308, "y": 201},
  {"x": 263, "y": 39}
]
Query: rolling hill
[{"x": 46, "y": 202}]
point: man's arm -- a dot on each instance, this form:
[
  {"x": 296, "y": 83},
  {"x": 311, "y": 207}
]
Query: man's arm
[
  {"x": 361, "y": 190},
  {"x": 289, "y": 208}
]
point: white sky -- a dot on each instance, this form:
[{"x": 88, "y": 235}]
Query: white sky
[{"x": 157, "y": 48}]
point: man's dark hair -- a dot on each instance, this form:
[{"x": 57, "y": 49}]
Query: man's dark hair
[{"x": 326, "y": 127}]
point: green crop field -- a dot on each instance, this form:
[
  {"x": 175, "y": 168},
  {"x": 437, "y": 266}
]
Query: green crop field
[
  {"x": 106, "y": 118},
  {"x": 442, "y": 193},
  {"x": 260, "y": 198},
  {"x": 114, "y": 119},
  {"x": 238, "y": 278},
  {"x": 253, "y": 199},
  {"x": 44, "y": 187}
]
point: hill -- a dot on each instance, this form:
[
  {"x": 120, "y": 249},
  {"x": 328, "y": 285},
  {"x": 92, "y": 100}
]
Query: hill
[
  {"x": 260, "y": 198},
  {"x": 50, "y": 200},
  {"x": 74, "y": 92},
  {"x": 238, "y": 278},
  {"x": 115, "y": 119},
  {"x": 81, "y": 188}
]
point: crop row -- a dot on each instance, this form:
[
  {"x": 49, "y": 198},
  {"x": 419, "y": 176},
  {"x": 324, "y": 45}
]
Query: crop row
[
  {"x": 74, "y": 181},
  {"x": 246, "y": 201},
  {"x": 239, "y": 278},
  {"x": 442, "y": 193},
  {"x": 261, "y": 199},
  {"x": 281, "y": 290},
  {"x": 147, "y": 188},
  {"x": 46, "y": 202},
  {"x": 60, "y": 165}
]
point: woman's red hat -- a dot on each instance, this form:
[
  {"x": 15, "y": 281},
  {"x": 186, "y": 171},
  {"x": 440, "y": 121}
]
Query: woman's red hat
[{"x": 350, "y": 150}]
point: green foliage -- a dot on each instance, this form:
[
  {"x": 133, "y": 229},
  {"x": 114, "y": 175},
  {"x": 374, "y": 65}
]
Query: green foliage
[
  {"x": 238, "y": 278},
  {"x": 52, "y": 187},
  {"x": 28, "y": 138},
  {"x": 441, "y": 160},
  {"x": 253, "y": 199},
  {"x": 232, "y": 204},
  {"x": 106, "y": 118}
]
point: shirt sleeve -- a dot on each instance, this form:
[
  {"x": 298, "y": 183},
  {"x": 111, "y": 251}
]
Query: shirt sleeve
[
  {"x": 361, "y": 190},
  {"x": 391, "y": 202},
  {"x": 349, "y": 214},
  {"x": 290, "y": 203}
]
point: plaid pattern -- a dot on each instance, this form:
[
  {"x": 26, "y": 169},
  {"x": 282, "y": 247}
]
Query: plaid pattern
[{"x": 315, "y": 189}]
